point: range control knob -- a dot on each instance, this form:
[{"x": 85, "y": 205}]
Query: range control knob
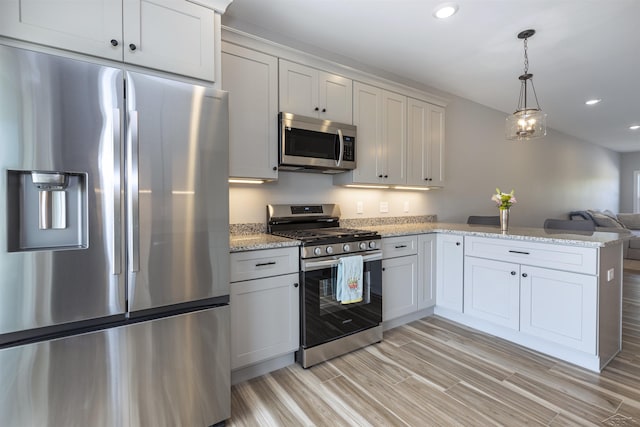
[
  {"x": 317, "y": 251},
  {"x": 372, "y": 244},
  {"x": 363, "y": 246},
  {"x": 329, "y": 249},
  {"x": 346, "y": 247}
]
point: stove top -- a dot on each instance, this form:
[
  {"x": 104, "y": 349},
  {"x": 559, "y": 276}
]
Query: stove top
[
  {"x": 323, "y": 234},
  {"x": 318, "y": 228}
]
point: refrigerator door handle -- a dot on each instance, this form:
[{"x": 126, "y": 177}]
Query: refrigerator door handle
[
  {"x": 116, "y": 264},
  {"x": 133, "y": 215}
]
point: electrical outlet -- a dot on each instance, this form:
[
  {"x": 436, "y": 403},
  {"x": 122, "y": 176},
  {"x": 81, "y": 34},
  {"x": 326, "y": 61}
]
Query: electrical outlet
[
  {"x": 610, "y": 275},
  {"x": 406, "y": 206},
  {"x": 384, "y": 207},
  {"x": 359, "y": 207}
]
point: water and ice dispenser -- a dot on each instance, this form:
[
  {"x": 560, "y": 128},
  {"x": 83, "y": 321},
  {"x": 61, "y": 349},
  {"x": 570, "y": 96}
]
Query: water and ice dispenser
[{"x": 47, "y": 210}]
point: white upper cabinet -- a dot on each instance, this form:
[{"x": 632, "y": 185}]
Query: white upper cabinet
[
  {"x": 425, "y": 128},
  {"x": 174, "y": 36},
  {"x": 252, "y": 80},
  {"x": 314, "y": 93},
  {"x": 381, "y": 141}
]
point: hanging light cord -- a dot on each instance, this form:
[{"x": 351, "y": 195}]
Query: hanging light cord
[{"x": 523, "y": 88}]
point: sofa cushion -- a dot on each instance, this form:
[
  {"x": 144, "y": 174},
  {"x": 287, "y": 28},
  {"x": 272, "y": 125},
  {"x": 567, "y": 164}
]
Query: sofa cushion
[
  {"x": 605, "y": 219},
  {"x": 630, "y": 220}
]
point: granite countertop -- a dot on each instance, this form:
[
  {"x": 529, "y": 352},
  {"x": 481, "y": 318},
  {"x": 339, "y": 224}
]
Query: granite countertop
[
  {"x": 577, "y": 238},
  {"x": 248, "y": 242}
]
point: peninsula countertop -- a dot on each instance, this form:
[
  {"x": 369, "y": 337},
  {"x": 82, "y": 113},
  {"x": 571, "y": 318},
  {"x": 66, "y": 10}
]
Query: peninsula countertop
[{"x": 243, "y": 242}]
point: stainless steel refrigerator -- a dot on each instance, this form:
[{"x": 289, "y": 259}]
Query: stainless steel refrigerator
[{"x": 113, "y": 246}]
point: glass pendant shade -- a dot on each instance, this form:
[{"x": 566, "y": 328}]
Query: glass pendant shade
[{"x": 526, "y": 124}]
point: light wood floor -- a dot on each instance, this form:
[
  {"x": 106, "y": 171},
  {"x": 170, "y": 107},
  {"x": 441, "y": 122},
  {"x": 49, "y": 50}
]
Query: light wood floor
[{"x": 435, "y": 373}]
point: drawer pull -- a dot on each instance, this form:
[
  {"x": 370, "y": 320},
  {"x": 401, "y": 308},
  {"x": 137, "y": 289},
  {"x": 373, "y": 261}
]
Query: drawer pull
[
  {"x": 401, "y": 246},
  {"x": 524, "y": 274},
  {"x": 513, "y": 273},
  {"x": 519, "y": 252},
  {"x": 262, "y": 264}
]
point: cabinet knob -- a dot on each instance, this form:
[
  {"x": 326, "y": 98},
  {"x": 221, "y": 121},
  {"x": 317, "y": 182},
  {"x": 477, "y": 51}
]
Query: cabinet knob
[
  {"x": 275, "y": 168},
  {"x": 295, "y": 285},
  {"x": 524, "y": 274},
  {"x": 324, "y": 110},
  {"x": 386, "y": 176},
  {"x": 513, "y": 273},
  {"x": 383, "y": 269},
  {"x": 114, "y": 42},
  {"x": 457, "y": 243},
  {"x": 316, "y": 109},
  {"x": 379, "y": 176},
  {"x": 132, "y": 46}
]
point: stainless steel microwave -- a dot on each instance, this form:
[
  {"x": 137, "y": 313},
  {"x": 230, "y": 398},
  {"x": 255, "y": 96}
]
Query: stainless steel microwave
[{"x": 314, "y": 145}]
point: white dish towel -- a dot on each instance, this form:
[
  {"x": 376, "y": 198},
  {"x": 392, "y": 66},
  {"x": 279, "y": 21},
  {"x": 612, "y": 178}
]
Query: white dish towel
[{"x": 349, "y": 282}]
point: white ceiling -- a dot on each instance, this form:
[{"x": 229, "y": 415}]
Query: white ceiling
[{"x": 582, "y": 49}]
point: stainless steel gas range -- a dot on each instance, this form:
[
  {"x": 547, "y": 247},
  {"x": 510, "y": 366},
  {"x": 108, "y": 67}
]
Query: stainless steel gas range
[{"x": 329, "y": 326}]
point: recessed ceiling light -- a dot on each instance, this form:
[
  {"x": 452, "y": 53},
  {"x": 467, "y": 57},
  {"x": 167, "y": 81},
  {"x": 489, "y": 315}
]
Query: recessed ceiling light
[
  {"x": 634, "y": 127},
  {"x": 445, "y": 10},
  {"x": 593, "y": 101}
]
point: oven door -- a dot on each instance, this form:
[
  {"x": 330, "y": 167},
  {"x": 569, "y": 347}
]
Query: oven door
[{"x": 323, "y": 317}]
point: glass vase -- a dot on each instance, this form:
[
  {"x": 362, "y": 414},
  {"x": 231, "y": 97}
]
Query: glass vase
[{"x": 504, "y": 219}]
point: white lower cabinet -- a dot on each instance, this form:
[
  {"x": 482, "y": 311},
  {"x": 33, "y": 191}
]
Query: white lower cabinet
[
  {"x": 427, "y": 270},
  {"x": 492, "y": 291},
  {"x": 449, "y": 272},
  {"x": 399, "y": 277},
  {"x": 264, "y": 310},
  {"x": 559, "y": 306}
]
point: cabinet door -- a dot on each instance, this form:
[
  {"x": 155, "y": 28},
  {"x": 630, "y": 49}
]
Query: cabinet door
[
  {"x": 560, "y": 307},
  {"x": 178, "y": 37},
  {"x": 85, "y": 26},
  {"x": 264, "y": 319},
  {"x": 335, "y": 98},
  {"x": 449, "y": 272},
  {"x": 426, "y": 271},
  {"x": 425, "y": 143},
  {"x": 252, "y": 79},
  {"x": 492, "y": 291},
  {"x": 367, "y": 116},
  {"x": 394, "y": 138},
  {"x": 399, "y": 286},
  {"x": 298, "y": 89}
]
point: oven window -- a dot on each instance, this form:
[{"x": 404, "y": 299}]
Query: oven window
[{"x": 324, "y": 318}]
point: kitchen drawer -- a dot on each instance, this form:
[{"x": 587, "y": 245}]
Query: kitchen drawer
[
  {"x": 399, "y": 246},
  {"x": 560, "y": 257},
  {"x": 263, "y": 263}
]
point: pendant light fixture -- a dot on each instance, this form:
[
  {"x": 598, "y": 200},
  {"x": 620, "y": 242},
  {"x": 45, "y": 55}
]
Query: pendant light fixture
[{"x": 527, "y": 122}]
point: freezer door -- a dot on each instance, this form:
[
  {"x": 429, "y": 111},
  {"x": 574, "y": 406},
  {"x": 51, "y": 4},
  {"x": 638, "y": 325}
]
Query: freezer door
[
  {"x": 171, "y": 371},
  {"x": 74, "y": 381},
  {"x": 177, "y": 170},
  {"x": 59, "y": 129},
  {"x": 179, "y": 369}
]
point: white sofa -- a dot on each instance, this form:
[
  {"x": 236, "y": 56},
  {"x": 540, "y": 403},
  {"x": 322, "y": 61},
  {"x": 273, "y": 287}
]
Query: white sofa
[{"x": 627, "y": 224}]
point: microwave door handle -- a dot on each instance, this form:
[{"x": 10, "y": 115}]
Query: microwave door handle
[{"x": 341, "y": 139}]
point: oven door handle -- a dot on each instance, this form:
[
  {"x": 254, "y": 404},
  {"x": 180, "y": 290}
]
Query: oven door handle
[{"x": 317, "y": 265}]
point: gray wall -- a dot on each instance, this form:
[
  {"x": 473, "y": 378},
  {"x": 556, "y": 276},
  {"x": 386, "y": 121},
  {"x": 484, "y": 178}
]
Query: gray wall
[
  {"x": 551, "y": 177},
  {"x": 630, "y": 162}
]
